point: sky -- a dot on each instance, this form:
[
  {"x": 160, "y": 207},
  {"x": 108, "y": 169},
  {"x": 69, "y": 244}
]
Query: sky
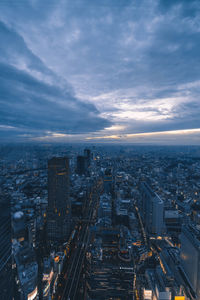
[{"x": 100, "y": 71}]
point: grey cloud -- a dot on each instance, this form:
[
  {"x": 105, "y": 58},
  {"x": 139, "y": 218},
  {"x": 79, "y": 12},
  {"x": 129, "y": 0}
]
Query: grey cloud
[
  {"x": 31, "y": 104},
  {"x": 188, "y": 8},
  {"x": 25, "y": 102}
]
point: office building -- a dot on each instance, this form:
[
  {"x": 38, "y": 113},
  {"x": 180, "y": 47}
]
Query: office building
[
  {"x": 59, "y": 207},
  {"x": 152, "y": 210},
  {"x": 6, "y": 282},
  {"x": 108, "y": 181},
  {"x": 190, "y": 256},
  {"x": 173, "y": 221},
  {"x": 27, "y": 271},
  {"x": 47, "y": 280},
  {"x": 19, "y": 231},
  {"x": 81, "y": 165},
  {"x": 87, "y": 154}
]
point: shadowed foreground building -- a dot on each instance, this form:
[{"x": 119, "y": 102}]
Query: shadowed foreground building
[
  {"x": 190, "y": 255},
  {"x": 59, "y": 208},
  {"x": 6, "y": 282}
]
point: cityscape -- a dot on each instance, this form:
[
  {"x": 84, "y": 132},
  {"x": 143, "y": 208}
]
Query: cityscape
[
  {"x": 99, "y": 150},
  {"x": 102, "y": 222}
]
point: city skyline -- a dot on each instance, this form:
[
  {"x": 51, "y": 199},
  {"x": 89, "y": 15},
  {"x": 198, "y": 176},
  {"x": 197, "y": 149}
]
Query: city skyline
[
  {"x": 108, "y": 71},
  {"x": 122, "y": 222}
]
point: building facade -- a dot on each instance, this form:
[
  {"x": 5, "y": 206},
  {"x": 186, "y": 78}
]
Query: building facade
[
  {"x": 6, "y": 280},
  {"x": 152, "y": 208},
  {"x": 81, "y": 165},
  {"x": 87, "y": 154},
  {"x": 190, "y": 256},
  {"x": 59, "y": 207}
]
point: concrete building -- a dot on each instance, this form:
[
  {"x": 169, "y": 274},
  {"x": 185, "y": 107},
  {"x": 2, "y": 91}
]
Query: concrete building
[
  {"x": 173, "y": 221},
  {"x": 190, "y": 255},
  {"x": 87, "y": 155},
  {"x": 19, "y": 226},
  {"x": 6, "y": 282},
  {"x": 152, "y": 208},
  {"x": 47, "y": 279},
  {"x": 81, "y": 165},
  {"x": 108, "y": 181},
  {"x": 59, "y": 207},
  {"x": 27, "y": 270}
]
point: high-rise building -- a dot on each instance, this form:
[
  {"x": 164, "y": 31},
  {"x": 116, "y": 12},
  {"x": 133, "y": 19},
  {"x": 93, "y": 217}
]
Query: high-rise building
[
  {"x": 59, "y": 207},
  {"x": 81, "y": 165},
  {"x": 190, "y": 255},
  {"x": 87, "y": 154},
  {"x": 6, "y": 280},
  {"x": 108, "y": 180},
  {"x": 19, "y": 231},
  {"x": 27, "y": 271},
  {"x": 47, "y": 280},
  {"x": 152, "y": 210}
]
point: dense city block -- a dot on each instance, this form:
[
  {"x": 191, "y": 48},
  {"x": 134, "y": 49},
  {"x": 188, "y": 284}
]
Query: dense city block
[{"x": 99, "y": 222}]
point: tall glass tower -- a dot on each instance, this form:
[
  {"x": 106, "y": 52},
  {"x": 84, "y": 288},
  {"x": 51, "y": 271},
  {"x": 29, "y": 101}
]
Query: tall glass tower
[{"x": 59, "y": 207}]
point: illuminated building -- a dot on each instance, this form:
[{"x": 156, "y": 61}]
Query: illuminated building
[
  {"x": 19, "y": 227},
  {"x": 47, "y": 279},
  {"x": 27, "y": 269},
  {"x": 58, "y": 261},
  {"x": 158, "y": 287},
  {"x": 59, "y": 207}
]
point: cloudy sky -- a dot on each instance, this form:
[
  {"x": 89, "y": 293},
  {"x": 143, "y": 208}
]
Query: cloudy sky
[{"x": 103, "y": 70}]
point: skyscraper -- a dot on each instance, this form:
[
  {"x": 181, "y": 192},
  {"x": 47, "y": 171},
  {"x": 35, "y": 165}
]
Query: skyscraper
[
  {"x": 6, "y": 280},
  {"x": 152, "y": 210},
  {"x": 59, "y": 208},
  {"x": 108, "y": 180},
  {"x": 81, "y": 165},
  {"x": 87, "y": 154}
]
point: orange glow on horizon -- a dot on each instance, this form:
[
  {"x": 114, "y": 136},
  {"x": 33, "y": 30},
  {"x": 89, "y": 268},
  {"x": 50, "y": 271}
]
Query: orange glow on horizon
[{"x": 146, "y": 134}]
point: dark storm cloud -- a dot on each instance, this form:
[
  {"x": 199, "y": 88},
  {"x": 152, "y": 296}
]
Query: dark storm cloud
[{"x": 31, "y": 103}]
